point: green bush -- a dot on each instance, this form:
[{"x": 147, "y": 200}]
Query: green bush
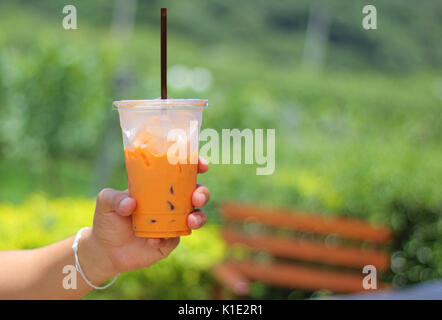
[{"x": 53, "y": 100}]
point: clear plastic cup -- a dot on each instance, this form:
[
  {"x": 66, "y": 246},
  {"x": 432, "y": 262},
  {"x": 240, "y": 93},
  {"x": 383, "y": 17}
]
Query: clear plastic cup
[{"x": 160, "y": 140}]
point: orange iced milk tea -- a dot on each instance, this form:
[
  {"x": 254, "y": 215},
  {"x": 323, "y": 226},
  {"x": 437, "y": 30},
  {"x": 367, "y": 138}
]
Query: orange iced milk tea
[{"x": 160, "y": 140}]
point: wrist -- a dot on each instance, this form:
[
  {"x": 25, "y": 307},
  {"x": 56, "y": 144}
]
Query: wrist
[{"x": 93, "y": 259}]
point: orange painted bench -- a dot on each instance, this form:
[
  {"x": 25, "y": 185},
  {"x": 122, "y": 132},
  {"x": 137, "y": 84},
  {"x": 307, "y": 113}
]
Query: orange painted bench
[{"x": 304, "y": 251}]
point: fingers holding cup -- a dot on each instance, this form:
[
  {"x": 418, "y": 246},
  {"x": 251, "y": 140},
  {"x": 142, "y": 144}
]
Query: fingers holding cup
[
  {"x": 200, "y": 196},
  {"x": 196, "y": 219}
]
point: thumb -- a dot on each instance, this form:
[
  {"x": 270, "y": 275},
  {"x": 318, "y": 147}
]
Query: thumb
[{"x": 111, "y": 200}]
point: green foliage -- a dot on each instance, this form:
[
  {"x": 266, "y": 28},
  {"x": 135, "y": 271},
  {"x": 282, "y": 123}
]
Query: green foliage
[
  {"x": 407, "y": 37},
  {"x": 52, "y": 97}
]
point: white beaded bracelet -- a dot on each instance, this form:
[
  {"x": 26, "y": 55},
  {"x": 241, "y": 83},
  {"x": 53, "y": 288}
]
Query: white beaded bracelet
[{"x": 78, "y": 267}]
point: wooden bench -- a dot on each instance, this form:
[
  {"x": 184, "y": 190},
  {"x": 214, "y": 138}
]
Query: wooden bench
[{"x": 304, "y": 251}]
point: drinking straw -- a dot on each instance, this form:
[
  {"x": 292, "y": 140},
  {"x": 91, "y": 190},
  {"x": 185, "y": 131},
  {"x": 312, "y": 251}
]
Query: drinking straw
[{"x": 163, "y": 53}]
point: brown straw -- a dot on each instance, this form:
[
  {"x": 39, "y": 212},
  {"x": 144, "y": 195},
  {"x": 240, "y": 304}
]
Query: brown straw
[{"x": 163, "y": 53}]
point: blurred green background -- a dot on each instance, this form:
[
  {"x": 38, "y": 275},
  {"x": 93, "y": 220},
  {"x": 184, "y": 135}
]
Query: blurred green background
[{"x": 357, "y": 115}]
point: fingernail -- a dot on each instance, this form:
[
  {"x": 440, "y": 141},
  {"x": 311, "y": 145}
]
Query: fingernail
[
  {"x": 124, "y": 202},
  {"x": 203, "y": 161},
  {"x": 202, "y": 197},
  {"x": 198, "y": 220}
]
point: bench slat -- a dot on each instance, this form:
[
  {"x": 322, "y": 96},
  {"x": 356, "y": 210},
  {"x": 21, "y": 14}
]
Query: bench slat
[
  {"x": 345, "y": 227},
  {"x": 309, "y": 250},
  {"x": 231, "y": 278},
  {"x": 292, "y": 276}
]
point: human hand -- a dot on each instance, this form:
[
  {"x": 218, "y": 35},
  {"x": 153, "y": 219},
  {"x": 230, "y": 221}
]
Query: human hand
[{"x": 119, "y": 250}]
